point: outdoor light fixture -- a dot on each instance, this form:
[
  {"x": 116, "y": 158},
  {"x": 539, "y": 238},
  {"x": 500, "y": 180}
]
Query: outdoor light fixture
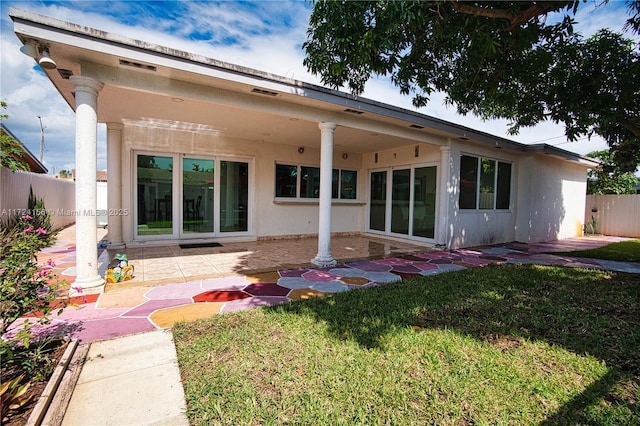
[
  {"x": 301, "y": 150},
  {"x": 45, "y": 60},
  {"x": 29, "y": 49}
]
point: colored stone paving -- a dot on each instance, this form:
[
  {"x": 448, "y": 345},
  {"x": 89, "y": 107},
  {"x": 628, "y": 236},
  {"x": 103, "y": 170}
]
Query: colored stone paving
[{"x": 129, "y": 310}]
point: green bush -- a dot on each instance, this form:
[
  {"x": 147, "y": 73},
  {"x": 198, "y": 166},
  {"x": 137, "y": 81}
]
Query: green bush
[
  {"x": 24, "y": 283},
  {"x": 26, "y": 288}
]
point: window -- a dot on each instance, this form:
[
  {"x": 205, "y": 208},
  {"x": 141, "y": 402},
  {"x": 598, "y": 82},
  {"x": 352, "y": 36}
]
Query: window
[
  {"x": 294, "y": 181},
  {"x": 485, "y": 184},
  {"x": 309, "y": 182},
  {"x": 155, "y": 195},
  {"x": 286, "y": 180},
  {"x": 503, "y": 186},
  {"x": 348, "y": 180},
  {"x": 468, "y": 181}
]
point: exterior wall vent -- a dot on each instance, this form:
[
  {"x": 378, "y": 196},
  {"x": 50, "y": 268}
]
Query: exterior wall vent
[
  {"x": 65, "y": 74},
  {"x": 354, "y": 111},
  {"x": 137, "y": 65},
  {"x": 416, "y": 126},
  {"x": 264, "y": 92}
]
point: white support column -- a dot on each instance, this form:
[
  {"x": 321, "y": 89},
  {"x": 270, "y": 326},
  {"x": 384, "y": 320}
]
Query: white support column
[
  {"x": 324, "y": 258},
  {"x": 114, "y": 185},
  {"x": 87, "y": 279},
  {"x": 445, "y": 196}
]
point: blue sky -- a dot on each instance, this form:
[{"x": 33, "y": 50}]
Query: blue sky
[{"x": 265, "y": 35}]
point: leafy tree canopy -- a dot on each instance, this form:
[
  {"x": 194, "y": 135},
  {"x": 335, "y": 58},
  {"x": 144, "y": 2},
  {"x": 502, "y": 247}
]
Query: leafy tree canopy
[
  {"x": 607, "y": 178},
  {"x": 516, "y": 60},
  {"x": 10, "y": 149}
]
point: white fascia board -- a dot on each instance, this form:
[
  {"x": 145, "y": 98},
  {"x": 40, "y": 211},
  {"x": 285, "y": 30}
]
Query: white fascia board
[{"x": 562, "y": 154}]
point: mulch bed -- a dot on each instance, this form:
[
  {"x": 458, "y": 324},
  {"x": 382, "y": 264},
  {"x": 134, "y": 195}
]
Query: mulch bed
[{"x": 20, "y": 417}]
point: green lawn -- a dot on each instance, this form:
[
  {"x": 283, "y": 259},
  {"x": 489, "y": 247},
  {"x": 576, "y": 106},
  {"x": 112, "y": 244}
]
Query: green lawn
[
  {"x": 624, "y": 251},
  {"x": 502, "y": 344}
]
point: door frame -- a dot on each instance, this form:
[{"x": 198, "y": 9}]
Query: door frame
[
  {"x": 178, "y": 195},
  {"x": 389, "y": 205}
]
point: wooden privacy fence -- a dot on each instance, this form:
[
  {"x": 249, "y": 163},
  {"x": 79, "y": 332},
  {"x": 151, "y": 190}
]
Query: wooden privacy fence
[
  {"x": 617, "y": 215},
  {"x": 59, "y": 195}
]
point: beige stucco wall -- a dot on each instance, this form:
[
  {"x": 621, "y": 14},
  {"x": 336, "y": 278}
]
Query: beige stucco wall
[
  {"x": 268, "y": 217},
  {"x": 547, "y": 194}
]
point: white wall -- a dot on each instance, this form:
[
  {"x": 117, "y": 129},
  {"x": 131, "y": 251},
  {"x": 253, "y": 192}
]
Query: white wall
[
  {"x": 551, "y": 199},
  {"x": 58, "y": 194}
]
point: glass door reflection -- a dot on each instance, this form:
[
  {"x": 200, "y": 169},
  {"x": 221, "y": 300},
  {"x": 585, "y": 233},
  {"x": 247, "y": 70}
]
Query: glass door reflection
[
  {"x": 197, "y": 196},
  {"x": 234, "y": 196},
  {"x": 378, "y": 197},
  {"x": 155, "y": 195}
]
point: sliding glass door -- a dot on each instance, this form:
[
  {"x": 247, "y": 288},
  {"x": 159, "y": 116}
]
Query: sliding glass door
[
  {"x": 378, "y": 201},
  {"x": 234, "y": 196},
  {"x": 424, "y": 202},
  {"x": 197, "y": 196},
  {"x": 155, "y": 195},
  {"x": 400, "y": 201},
  {"x": 190, "y": 197},
  {"x": 407, "y": 206}
]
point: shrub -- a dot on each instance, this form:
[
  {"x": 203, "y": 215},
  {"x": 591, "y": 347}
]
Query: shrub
[{"x": 25, "y": 285}]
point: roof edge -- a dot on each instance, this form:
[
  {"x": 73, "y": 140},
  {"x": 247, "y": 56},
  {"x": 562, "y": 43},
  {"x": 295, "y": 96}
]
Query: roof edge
[
  {"x": 373, "y": 106},
  {"x": 370, "y": 105},
  {"x": 26, "y": 151},
  {"x": 543, "y": 148}
]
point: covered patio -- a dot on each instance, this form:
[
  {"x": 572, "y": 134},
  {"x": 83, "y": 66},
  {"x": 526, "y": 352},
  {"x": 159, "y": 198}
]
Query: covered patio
[
  {"x": 204, "y": 151},
  {"x": 172, "y": 284},
  {"x": 160, "y": 264}
]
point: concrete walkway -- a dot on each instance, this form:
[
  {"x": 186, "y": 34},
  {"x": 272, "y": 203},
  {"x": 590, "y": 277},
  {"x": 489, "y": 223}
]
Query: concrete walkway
[
  {"x": 131, "y": 376},
  {"x": 132, "y": 380}
]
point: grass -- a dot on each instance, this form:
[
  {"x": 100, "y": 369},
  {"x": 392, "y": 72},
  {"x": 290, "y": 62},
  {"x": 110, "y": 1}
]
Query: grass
[
  {"x": 502, "y": 344},
  {"x": 624, "y": 251}
]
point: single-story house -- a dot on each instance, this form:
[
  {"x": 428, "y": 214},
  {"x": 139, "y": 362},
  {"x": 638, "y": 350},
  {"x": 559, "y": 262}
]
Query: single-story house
[
  {"x": 35, "y": 165},
  {"x": 199, "y": 149}
]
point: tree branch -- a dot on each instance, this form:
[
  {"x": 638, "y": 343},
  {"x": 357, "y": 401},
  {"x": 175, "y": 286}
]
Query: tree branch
[
  {"x": 630, "y": 126},
  {"x": 535, "y": 9}
]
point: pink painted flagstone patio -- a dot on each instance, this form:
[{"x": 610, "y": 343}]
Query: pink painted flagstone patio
[{"x": 173, "y": 284}]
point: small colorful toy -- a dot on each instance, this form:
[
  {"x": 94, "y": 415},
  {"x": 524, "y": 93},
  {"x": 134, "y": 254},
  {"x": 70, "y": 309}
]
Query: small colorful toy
[{"x": 119, "y": 269}]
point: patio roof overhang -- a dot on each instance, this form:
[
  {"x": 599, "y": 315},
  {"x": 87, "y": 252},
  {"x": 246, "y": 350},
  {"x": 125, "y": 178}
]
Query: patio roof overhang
[{"x": 152, "y": 85}]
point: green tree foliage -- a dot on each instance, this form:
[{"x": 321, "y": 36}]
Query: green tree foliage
[
  {"x": 608, "y": 179},
  {"x": 519, "y": 61},
  {"x": 10, "y": 149}
]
